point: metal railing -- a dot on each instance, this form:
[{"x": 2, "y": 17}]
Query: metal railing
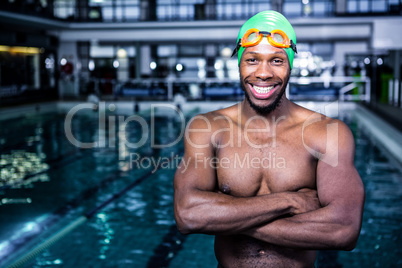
[
  {"x": 395, "y": 93},
  {"x": 343, "y": 88}
]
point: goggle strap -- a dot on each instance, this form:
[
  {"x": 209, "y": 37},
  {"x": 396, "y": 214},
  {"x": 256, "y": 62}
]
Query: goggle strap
[
  {"x": 293, "y": 45},
  {"x": 236, "y": 48}
]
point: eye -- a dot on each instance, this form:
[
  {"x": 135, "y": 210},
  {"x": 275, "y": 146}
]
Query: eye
[
  {"x": 251, "y": 60},
  {"x": 277, "y": 61}
]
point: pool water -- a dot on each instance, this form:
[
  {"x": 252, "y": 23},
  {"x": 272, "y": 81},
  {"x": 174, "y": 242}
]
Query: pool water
[{"x": 60, "y": 182}]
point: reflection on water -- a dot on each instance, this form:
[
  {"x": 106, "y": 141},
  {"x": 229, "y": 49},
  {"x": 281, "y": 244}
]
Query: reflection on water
[
  {"x": 105, "y": 232},
  {"x": 19, "y": 168}
]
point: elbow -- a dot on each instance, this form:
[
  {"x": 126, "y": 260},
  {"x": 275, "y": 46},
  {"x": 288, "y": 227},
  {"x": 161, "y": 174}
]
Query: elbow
[
  {"x": 346, "y": 238},
  {"x": 186, "y": 222},
  {"x": 189, "y": 217},
  {"x": 349, "y": 224},
  {"x": 184, "y": 227},
  {"x": 352, "y": 235}
]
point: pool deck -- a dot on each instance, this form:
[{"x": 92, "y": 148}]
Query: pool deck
[{"x": 384, "y": 133}]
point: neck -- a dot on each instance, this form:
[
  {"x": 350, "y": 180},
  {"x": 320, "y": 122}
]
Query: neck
[{"x": 282, "y": 111}]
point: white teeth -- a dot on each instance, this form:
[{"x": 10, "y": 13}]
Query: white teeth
[{"x": 262, "y": 90}]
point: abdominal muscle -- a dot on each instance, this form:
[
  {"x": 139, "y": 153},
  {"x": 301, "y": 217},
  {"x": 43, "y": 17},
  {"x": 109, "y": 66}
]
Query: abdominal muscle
[{"x": 244, "y": 251}]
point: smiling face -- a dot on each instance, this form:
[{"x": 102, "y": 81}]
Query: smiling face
[{"x": 264, "y": 73}]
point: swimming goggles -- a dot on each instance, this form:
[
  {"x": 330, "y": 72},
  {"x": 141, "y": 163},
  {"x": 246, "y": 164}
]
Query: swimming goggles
[{"x": 276, "y": 38}]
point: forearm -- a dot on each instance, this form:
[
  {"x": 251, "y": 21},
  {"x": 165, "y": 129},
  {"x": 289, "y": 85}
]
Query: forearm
[
  {"x": 212, "y": 213},
  {"x": 320, "y": 229}
]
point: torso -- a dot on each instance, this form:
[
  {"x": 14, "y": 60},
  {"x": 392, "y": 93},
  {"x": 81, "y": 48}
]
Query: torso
[{"x": 255, "y": 164}]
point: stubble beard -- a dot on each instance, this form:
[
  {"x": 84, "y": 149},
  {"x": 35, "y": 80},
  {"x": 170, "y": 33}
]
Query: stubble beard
[{"x": 265, "y": 110}]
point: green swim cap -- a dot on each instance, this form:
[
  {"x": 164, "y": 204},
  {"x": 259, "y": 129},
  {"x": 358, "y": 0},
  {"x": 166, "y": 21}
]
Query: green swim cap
[{"x": 267, "y": 21}]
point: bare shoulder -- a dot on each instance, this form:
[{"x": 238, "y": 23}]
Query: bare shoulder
[
  {"x": 214, "y": 119},
  {"x": 202, "y": 128},
  {"x": 323, "y": 133}
]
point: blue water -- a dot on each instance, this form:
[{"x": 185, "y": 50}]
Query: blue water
[{"x": 138, "y": 229}]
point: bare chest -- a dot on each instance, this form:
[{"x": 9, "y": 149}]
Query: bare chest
[{"x": 262, "y": 166}]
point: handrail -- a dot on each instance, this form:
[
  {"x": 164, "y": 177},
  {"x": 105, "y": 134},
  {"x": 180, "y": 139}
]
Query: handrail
[
  {"x": 339, "y": 81},
  {"x": 394, "y": 92},
  {"x": 353, "y": 83}
]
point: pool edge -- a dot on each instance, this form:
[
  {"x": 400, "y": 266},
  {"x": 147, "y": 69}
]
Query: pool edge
[{"x": 383, "y": 132}]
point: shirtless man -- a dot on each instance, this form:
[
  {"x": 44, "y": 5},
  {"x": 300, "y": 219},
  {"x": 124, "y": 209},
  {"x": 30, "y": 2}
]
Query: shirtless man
[{"x": 273, "y": 181}]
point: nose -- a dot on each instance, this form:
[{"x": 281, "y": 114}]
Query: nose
[{"x": 264, "y": 71}]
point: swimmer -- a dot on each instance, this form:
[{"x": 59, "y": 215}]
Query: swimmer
[{"x": 272, "y": 181}]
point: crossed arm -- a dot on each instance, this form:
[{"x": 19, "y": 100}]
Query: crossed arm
[
  {"x": 331, "y": 222},
  {"x": 336, "y": 225}
]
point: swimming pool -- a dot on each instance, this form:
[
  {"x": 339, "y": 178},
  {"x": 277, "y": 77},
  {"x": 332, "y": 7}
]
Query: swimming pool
[{"x": 60, "y": 182}]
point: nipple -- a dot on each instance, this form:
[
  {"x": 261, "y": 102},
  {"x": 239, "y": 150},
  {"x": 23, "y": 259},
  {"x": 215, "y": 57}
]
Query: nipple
[{"x": 225, "y": 189}]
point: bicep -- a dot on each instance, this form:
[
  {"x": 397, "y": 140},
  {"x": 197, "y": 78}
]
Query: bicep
[
  {"x": 196, "y": 170},
  {"x": 339, "y": 185}
]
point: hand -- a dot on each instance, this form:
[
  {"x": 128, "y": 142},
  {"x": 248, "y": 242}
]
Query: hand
[{"x": 305, "y": 200}]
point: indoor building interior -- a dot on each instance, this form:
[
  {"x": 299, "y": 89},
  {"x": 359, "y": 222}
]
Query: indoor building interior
[{"x": 80, "y": 79}]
